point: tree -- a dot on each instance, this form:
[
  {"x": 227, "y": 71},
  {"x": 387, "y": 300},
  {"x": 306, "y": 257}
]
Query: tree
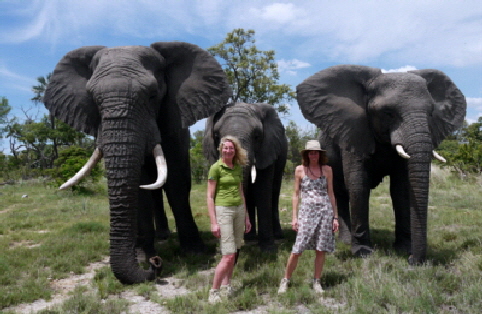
[
  {"x": 296, "y": 141},
  {"x": 464, "y": 152},
  {"x": 4, "y": 111},
  {"x": 199, "y": 164},
  {"x": 39, "y": 89},
  {"x": 252, "y": 73}
]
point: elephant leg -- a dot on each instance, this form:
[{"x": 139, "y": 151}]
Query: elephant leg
[
  {"x": 401, "y": 205},
  {"x": 264, "y": 207},
  {"x": 343, "y": 205},
  {"x": 277, "y": 181},
  {"x": 250, "y": 199},
  {"x": 145, "y": 223},
  {"x": 342, "y": 196},
  {"x": 359, "y": 193},
  {"x": 160, "y": 218},
  {"x": 178, "y": 189}
]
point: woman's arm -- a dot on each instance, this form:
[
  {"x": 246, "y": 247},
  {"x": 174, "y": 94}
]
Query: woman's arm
[
  {"x": 329, "y": 178},
  {"x": 211, "y": 208}
]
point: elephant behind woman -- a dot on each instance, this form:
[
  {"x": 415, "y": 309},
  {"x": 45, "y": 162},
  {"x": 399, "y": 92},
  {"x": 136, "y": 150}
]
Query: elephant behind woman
[
  {"x": 378, "y": 124},
  {"x": 262, "y": 134}
]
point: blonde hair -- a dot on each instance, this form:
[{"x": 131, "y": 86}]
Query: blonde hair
[{"x": 240, "y": 155}]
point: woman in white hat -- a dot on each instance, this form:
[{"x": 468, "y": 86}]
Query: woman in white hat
[{"x": 317, "y": 219}]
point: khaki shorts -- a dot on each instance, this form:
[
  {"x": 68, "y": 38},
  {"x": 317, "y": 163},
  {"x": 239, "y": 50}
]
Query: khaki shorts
[{"x": 231, "y": 223}]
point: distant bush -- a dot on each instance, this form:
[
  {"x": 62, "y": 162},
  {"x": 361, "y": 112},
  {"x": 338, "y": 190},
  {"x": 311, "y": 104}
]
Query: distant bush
[{"x": 70, "y": 161}]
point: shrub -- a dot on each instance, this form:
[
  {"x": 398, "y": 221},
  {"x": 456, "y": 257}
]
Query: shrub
[{"x": 70, "y": 161}]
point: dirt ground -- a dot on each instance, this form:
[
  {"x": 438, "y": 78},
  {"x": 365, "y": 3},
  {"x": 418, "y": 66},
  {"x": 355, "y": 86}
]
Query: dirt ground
[{"x": 168, "y": 287}]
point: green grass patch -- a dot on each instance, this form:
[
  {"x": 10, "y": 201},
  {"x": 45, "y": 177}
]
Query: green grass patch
[{"x": 52, "y": 234}]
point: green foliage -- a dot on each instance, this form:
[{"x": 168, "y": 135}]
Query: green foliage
[
  {"x": 464, "y": 153},
  {"x": 70, "y": 161},
  {"x": 4, "y": 111},
  {"x": 35, "y": 144},
  {"x": 252, "y": 73},
  {"x": 39, "y": 89},
  {"x": 199, "y": 164},
  {"x": 297, "y": 139}
]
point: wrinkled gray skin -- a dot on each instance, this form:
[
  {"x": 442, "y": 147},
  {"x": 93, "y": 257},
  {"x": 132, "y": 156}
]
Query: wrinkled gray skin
[
  {"x": 132, "y": 98},
  {"x": 363, "y": 113},
  {"x": 262, "y": 134}
]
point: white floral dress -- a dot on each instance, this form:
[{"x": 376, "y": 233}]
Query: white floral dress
[{"x": 315, "y": 217}]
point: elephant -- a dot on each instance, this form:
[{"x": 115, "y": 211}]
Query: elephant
[
  {"x": 376, "y": 124},
  {"x": 138, "y": 102},
  {"x": 262, "y": 134}
]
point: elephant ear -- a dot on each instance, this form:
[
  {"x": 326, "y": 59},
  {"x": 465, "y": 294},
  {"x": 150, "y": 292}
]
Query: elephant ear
[
  {"x": 66, "y": 95},
  {"x": 335, "y": 100},
  {"x": 197, "y": 84},
  {"x": 273, "y": 143},
  {"x": 210, "y": 143},
  {"x": 450, "y": 105}
]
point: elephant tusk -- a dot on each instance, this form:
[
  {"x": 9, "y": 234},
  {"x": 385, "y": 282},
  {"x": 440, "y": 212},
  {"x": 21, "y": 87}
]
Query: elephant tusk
[
  {"x": 84, "y": 171},
  {"x": 161, "y": 169},
  {"x": 253, "y": 173},
  {"x": 438, "y": 157},
  {"x": 401, "y": 152}
]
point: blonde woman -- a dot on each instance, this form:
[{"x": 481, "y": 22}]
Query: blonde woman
[
  {"x": 317, "y": 219},
  {"x": 227, "y": 212}
]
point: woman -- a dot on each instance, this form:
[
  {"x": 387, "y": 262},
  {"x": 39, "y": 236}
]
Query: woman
[
  {"x": 227, "y": 212},
  {"x": 318, "y": 216}
]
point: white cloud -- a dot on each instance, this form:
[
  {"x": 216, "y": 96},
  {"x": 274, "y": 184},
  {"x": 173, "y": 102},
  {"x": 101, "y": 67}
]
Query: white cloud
[
  {"x": 279, "y": 12},
  {"x": 290, "y": 66},
  {"x": 7, "y": 75},
  {"x": 474, "y": 105},
  {"x": 404, "y": 68},
  {"x": 413, "y": 32}
]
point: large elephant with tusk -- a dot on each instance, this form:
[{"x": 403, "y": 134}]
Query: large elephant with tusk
[
  {"x": 261, "y": 133},
  {"x": 139, "y": 102},
  {"x": 376, "y": 124}
]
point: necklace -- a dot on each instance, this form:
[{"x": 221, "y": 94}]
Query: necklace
[{"x": 309, "y": 169}]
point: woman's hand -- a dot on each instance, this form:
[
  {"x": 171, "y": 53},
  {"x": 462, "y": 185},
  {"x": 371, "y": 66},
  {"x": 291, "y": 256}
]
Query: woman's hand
[
  {"x": 216, "y": 230},
  {"x": 247, "y": 224},
  {"x": 294, "y": 224},
  {"x": 335, "y": 224}
]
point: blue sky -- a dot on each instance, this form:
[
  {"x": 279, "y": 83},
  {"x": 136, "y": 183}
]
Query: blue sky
[{"x": 307, "y": 37}]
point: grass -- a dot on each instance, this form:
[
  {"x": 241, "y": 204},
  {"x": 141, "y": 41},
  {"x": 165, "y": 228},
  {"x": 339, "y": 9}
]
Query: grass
[{"x": 51, "y": 235}]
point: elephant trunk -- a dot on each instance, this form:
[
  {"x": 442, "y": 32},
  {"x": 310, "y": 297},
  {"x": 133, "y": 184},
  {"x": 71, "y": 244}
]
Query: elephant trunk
[
  {"x": 124, "y": 149},
  {"x": 419, "y": 147}
]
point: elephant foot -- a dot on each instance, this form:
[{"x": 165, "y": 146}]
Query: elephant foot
[
  {"x": 412, "y": 261},
  {"x": 345, "y": 237},
  {"x": 403, "y": 247},
  {"x": 163, "y": 234},
  {"x": 279, "y": 235},
  {"x": 363, "y": 252},
  {"x": 197, "y": 248},
  {"x": 268, "y": 248},
  {"x": 250, "y": 236}
]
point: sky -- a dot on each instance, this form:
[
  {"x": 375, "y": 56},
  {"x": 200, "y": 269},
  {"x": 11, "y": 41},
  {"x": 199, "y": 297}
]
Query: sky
[{"x": 307, "y": 36}]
